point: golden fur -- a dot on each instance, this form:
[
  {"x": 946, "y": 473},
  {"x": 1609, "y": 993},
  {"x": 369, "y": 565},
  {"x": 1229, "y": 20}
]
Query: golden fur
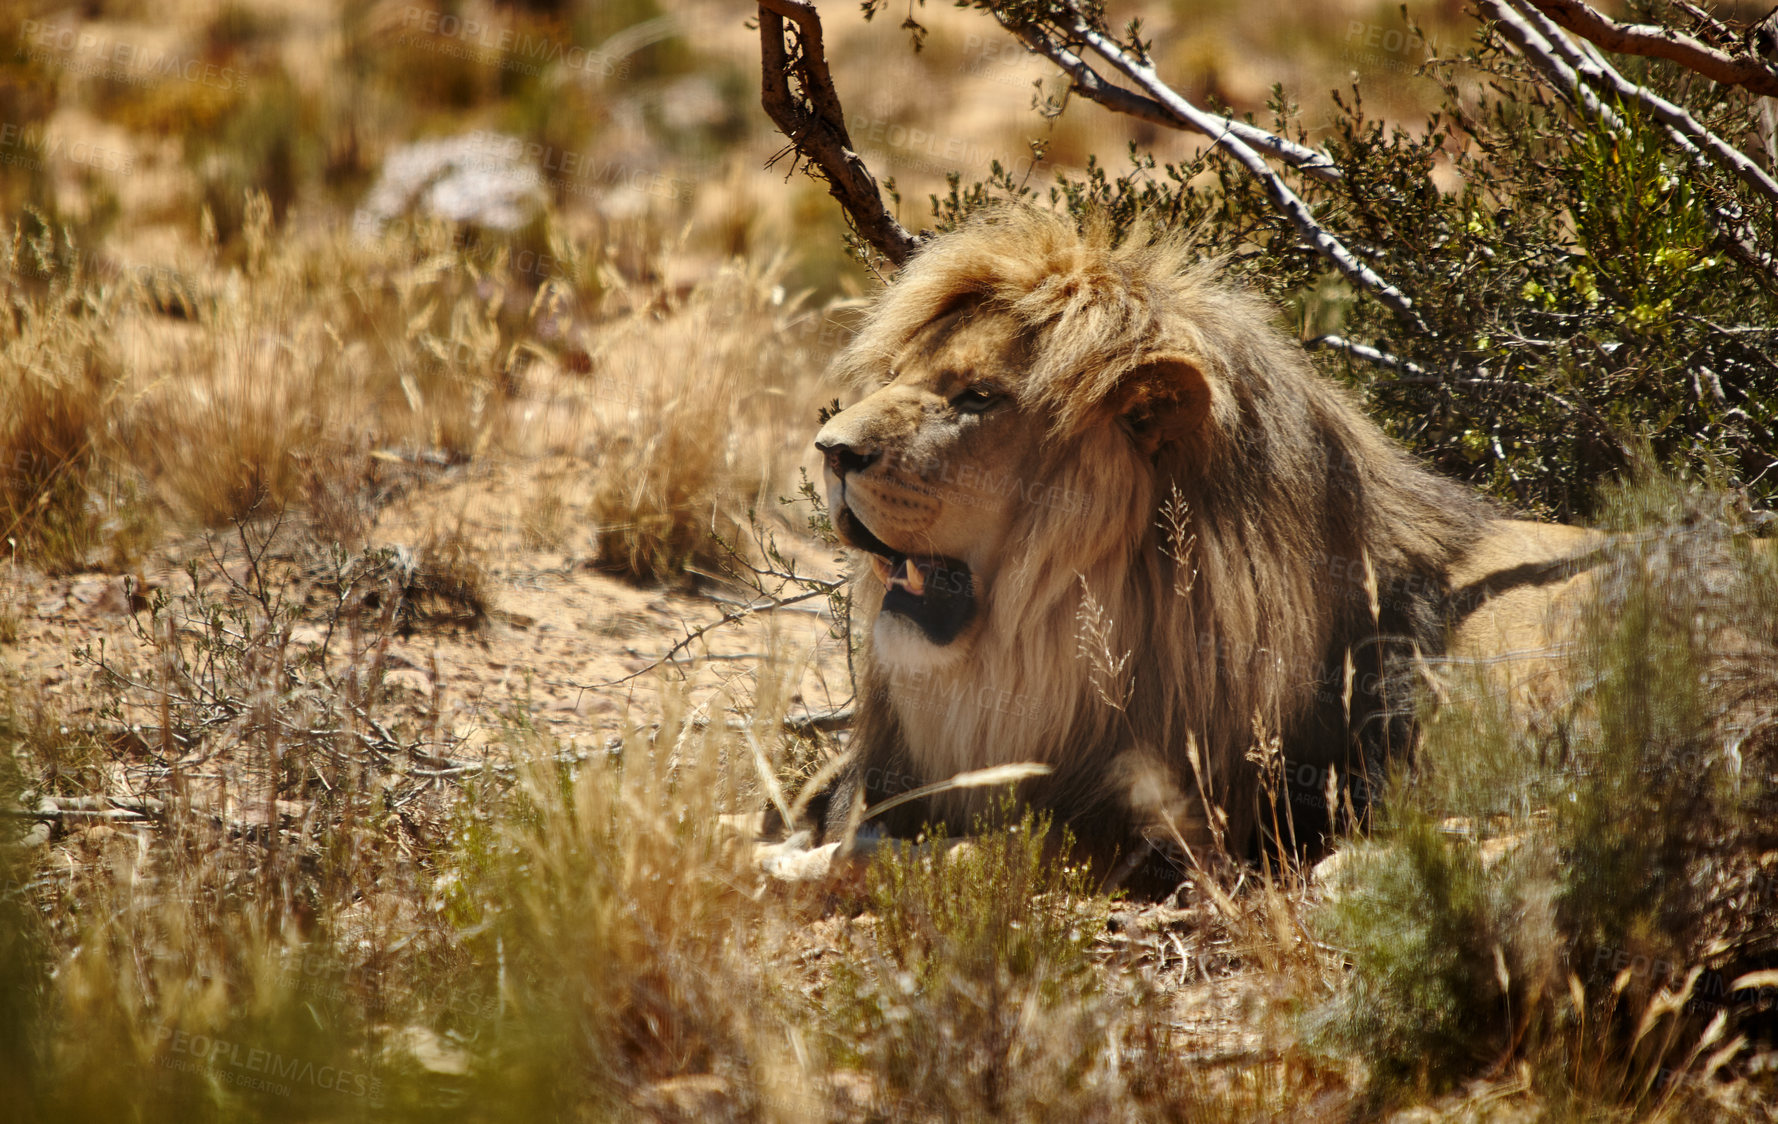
[{"x": 1037, "y": 399}]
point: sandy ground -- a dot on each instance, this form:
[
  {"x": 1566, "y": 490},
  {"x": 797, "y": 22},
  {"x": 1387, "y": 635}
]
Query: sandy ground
[{"x": 580, "y": 649}]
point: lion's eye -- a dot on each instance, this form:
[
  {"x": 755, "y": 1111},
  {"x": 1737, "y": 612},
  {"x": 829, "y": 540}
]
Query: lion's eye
[{"x": 976, "y": 399}]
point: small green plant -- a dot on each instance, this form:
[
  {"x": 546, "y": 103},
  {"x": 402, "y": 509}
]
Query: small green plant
[
  {"x": 1424, "y": 1004},
  {"x": 975, "y": 993}
]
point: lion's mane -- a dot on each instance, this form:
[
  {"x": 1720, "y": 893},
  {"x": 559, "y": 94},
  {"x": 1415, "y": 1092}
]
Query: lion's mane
[{"x": 1318, "y": 564}]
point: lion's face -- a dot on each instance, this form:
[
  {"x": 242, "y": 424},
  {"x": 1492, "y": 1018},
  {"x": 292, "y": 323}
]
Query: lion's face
[{"x": 925, "y": 475}]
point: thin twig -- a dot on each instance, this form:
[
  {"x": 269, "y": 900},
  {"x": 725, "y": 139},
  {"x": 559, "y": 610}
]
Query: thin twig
[
  {"x": 1651, "y": 41},
  {"x": 1283, "y": 198},
  {"x": 1367, "y": 353},
  {"x": 1091, "y": 85},
  {"x": 1412, "y": 374},
  {"x": 700, "y": 632}
]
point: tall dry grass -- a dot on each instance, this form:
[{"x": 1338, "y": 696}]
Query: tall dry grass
[
  {"x": 708, "y": 398},
  {"x": 275, "y": 383},
  {"x": 59, "y": 380}
]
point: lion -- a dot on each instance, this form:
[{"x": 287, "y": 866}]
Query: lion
[{"x": 1112, "y": 522}]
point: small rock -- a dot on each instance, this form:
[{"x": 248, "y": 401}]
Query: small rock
[
  {"x": 1328, "y": 873},
  {"x": 408, "y": 679},
  {"x": 701, "y": 1096},
  {"x": 480, "y": 179},
  {"x": 307, "y": 636}
]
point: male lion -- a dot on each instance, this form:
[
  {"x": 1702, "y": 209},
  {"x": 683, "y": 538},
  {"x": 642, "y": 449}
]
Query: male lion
[{"x": 1116, "y": 524}]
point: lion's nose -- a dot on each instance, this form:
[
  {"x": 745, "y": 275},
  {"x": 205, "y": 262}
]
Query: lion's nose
[{"x": 843, "y": 458}]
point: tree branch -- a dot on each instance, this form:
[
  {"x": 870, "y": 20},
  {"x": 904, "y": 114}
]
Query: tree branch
[
  {"x": 1409, "y": 373},
  {"x": 1564, "y": 65},
  {"x": 1092, "y": 86},
  {"x": 1746, "y": 70},
  {"x": 810, "y": 116},
  {"x": 1543, "y": 56},
  {"x": 1283, "y": 198},
  {"x": 1685, "y": 128}
]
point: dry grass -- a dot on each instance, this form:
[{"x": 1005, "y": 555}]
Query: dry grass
[
  {"x": 289, "y": 380},
  {"x": 1576, "y": 897},
  {"x": 695, "y": 425},
  {"x": 58, "y": 381}
]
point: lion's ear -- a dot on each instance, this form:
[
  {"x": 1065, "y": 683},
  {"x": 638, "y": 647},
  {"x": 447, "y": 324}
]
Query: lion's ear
[{"x": 1163, "y": 401}]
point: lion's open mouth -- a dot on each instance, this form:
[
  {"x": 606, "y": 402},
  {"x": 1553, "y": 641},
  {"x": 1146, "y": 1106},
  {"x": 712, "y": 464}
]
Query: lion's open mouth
[{"x": 936, "y": 593}]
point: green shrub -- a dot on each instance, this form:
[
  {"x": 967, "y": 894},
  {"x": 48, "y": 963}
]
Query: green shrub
[
  {"x": 975, "y": 994},
  {"x": 1584, "y": 897}
]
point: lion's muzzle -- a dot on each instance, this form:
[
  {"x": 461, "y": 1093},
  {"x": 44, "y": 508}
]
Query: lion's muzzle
[{"x": 936, "y": 594}]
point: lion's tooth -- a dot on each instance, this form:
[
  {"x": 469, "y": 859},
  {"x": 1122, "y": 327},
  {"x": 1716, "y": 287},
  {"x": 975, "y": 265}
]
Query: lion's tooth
[{"x": 916, "y": 579}]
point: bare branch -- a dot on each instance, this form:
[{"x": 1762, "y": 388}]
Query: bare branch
[
  {"x": 1545, "y": 36},
  {"x": 1746, "y": 70},
  {"x": 694, "y": 635},
  {"x": 1410, "y": 373},
  {"x": 1283, "y": 198},
  {"x": 1565, "y": 65},
  {"x": 1542, "y": 55},
  {"x": 1092, "y": 86},
  {"x": 811, "y": 117},
  {"x": 1368, "y": 353}
]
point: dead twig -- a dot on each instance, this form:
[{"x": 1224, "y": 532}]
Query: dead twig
[
  {"x": 809, "y": 115},
  {"x": 1283, "y": 199},
  {"x": 700, "y": 632}
]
